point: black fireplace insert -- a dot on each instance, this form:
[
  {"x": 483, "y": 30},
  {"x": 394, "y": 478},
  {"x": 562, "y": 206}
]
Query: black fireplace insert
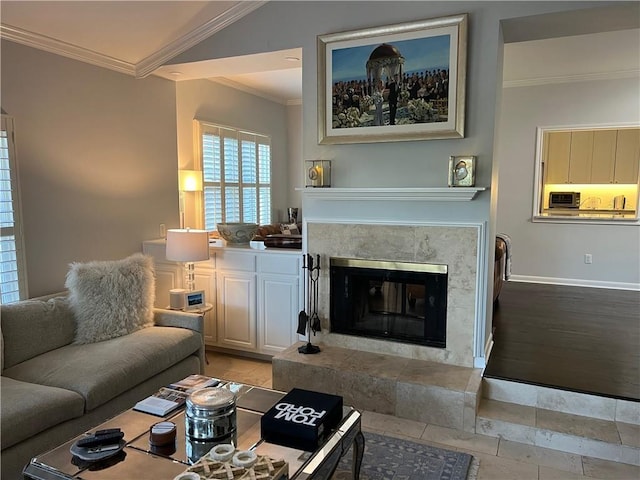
[{"x": 398, "y": 301}]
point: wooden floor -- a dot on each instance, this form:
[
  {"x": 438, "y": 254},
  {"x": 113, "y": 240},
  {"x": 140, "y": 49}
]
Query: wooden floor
[{"x": 574, "y": 338}]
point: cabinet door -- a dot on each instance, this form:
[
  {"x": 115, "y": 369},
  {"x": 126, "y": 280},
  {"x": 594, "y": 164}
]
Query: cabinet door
[
  {"x": 168, "y": 276},
  {"x": 277, "y": 312},
  {"x": 627, "y": 156},
  {"x": 236, "y": 307},
  {"x": 205, "y": 279},
  {"x": 604, "y": 156},
  {"x": 580, "y": 157},
  {"x": 557, "y": 158}
]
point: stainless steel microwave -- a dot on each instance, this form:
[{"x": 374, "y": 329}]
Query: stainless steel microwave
[{"x": 564, "y": 200}]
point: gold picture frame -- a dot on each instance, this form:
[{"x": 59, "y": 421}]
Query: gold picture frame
[{"x": 393, "y": 83}]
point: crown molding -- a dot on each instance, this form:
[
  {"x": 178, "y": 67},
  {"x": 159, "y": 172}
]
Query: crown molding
[
  {"x": 145, "y": 66},
  {"x": 159, "y": 58},
  {"x": 584, "y": 77},
  {"x": 64, "y": 49}
]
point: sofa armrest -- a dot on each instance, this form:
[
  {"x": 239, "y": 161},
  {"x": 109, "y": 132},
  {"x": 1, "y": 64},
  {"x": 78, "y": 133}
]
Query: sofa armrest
[{"x": 179, "y": 319}]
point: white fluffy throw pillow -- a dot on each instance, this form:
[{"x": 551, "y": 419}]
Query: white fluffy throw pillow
[{"x": 111, "y": 298}]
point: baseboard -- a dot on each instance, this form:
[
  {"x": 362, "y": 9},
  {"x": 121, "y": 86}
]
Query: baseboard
[
  {"x": 481, "y": 362},
  {"x": 576, "y": 282}
]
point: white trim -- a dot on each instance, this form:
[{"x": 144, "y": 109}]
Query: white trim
[
  {"x": 481, "y": 362},
  {"x": 480, "y": 320},
  {"x": 433, "y": 194},
  {"x": 147, "y": 65},
  {"x": 576, "y": 282},
  {"x": 162, "y": 56},
  {"x": 582, "y": 77},
  {"x": 52, "y": 45}
]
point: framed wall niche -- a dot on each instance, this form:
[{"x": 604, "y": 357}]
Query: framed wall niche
[{"x": 587, "y": 173}]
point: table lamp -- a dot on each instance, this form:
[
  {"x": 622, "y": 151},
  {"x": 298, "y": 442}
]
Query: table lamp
[{"x": 188, "y": 246}]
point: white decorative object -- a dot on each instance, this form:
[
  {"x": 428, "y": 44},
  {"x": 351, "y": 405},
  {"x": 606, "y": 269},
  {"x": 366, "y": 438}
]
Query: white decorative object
[{"x": 111, "y": 298}]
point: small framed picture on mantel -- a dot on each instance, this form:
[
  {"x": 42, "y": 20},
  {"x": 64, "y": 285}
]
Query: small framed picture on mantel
[{"x": 462, "y": 171}]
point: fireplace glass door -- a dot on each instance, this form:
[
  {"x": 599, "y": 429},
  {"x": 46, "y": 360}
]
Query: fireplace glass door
[{"x": 399, "y": 301}]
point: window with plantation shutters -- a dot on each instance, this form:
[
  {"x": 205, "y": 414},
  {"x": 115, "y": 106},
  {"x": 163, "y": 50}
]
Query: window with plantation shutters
[
  {"x": 236, "y": 169},
  {"x": 12, "y": 263}
]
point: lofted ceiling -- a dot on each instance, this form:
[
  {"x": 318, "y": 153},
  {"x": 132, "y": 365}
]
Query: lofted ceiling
[{"x": 139, "y": 37}]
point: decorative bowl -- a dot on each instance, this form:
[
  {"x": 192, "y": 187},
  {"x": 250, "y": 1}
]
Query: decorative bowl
[{"x": 237, "y": 233}]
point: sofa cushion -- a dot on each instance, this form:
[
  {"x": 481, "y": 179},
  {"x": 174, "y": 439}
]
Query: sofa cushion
[
  {"x": 27, "y": 409},
  {"x": 33, "y": 327},
  {"x": 101, "y": 371},
  {"x": 111, "y": 298}
]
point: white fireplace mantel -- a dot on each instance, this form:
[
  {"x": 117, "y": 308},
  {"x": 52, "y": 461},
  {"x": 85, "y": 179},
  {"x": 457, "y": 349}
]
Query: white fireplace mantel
[{"x": 432, "y": 194}]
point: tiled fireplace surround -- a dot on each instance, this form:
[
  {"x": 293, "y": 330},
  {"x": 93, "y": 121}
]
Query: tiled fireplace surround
[{"x": 434, "y": 385}]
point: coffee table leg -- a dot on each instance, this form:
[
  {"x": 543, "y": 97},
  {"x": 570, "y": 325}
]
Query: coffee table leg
[{"x": 358, "y": 452}]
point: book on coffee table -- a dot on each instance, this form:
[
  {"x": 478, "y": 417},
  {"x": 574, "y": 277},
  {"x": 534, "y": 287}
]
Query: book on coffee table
[
  {"x": 173, "y": 396},
  {"x": 162, "y": 402},
  {"x": 193, "y": 383}
]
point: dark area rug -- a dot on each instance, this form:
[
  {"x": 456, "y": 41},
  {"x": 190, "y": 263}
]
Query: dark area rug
[{"x": 388, "y": 458}]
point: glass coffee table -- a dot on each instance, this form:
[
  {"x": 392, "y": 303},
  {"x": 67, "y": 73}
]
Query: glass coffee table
[{"x": 138, "y": 460}]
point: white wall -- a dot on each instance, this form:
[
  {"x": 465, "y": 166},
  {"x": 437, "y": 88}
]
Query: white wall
[
  {"x": 216, "y": 103},
  {"x": 96, "y": 157},
  {"x": 554, "y": 252}
]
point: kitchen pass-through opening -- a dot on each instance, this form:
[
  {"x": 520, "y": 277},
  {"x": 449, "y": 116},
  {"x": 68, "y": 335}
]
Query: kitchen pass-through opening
[{"x": 399, "y": 301}]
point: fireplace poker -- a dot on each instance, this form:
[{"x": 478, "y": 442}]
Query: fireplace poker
[
  {"x": 303, "y": 318},
  {"x": 315, "y": 274}
]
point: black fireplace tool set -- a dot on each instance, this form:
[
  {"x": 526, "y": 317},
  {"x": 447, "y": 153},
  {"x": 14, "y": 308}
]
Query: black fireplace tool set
[{"x": 309, "y": 323}]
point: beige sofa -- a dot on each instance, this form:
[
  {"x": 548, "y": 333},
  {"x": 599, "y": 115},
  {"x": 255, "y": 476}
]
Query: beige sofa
[{"x": 53, "y": 389}]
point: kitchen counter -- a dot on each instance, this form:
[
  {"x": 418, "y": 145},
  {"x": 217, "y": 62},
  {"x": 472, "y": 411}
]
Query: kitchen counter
[{"x": 586, "y": 215}]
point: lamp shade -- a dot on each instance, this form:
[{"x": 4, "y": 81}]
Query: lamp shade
[
  {"x": 187, "y": 245},
  {"x": 190, "y": 180}
]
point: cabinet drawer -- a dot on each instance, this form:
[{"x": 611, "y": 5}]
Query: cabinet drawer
[
  {"x": 283, "y": 264},
  {"x": 239, "y": 261}
]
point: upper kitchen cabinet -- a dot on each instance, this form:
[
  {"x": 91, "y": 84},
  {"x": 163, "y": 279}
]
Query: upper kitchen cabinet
[
  {"x": 581, "y": 157},
  {"x": 604, "y": 156},
  {"x": 596, "y": 156},
  {"x": 627, "y": 156},
  {"x": 557, "y": 149}
]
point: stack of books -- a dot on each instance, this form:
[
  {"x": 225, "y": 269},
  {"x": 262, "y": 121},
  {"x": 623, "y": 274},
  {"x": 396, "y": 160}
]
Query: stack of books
[{"x": 174, "y": 396}]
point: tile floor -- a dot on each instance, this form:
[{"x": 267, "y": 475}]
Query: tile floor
[{"x": 499, "y": 459}]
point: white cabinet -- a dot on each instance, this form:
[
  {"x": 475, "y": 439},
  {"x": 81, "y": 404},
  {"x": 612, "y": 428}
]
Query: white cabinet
[
  {"x": 237, "y": 310},
  {"x": 168, "y": 274},
  {"x": 278, "y": 302},
  {"x": 256, "y": 294},
  {"x": 205, "y": 279},
  {"x": 258, "y": 300}
]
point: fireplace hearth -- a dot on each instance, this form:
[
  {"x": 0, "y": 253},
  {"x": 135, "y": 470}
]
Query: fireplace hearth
[{"x": 395, "y": 301}]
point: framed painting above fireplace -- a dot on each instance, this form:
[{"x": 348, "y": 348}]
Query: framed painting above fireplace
[{"x": 393, "y": 83}]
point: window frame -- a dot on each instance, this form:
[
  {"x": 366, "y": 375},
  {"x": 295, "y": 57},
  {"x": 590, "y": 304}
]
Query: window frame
[
  {"x": 7, "y": 124},
  {"x": 201, "y": 128}
]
